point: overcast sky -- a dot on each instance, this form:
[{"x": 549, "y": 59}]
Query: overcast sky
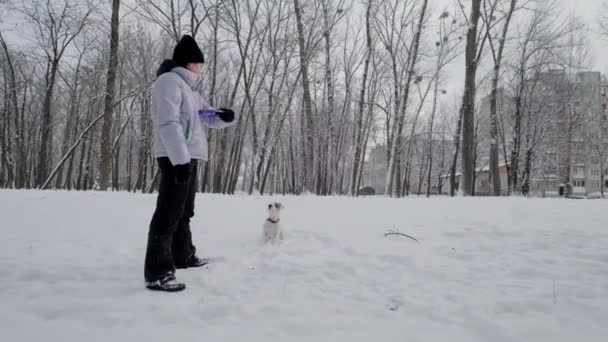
[{"x": 586, "y": 10}]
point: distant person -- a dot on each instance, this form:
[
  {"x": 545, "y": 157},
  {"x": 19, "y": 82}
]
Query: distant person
[
  {"x": 568, "y": 190},
  {"x": 179, "y": 112}
]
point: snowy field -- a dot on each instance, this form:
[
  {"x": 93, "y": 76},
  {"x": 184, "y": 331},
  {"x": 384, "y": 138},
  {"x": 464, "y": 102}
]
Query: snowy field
[{"x": 71, "y": 269}]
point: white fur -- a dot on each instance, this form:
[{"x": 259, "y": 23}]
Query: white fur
[{"x": 272, "y": 231}]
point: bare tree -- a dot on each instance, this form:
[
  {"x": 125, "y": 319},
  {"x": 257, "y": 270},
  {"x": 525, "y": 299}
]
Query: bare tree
[
  {"x": 74, "y": 83},
  {"x": 358, "y": 128},
  {"x": 538, "y": 48},
  {"x": 106, "y": 134},
  {"x": 174, "y": 17},
  {"x": 396, "y": 131},
  {"x": 12, "y": 110},
  {"x": 497, "y": 56},
  {"x": 457, "y": 139},
  {"x": 468, "y": 102},
  {"x": 447, "y": 45},
  {"x": 308, "y": 120},
  {"x": 332, "y": 15},
  {"x": 603, "y": 20},
  {"x": 55, "y": 26}
]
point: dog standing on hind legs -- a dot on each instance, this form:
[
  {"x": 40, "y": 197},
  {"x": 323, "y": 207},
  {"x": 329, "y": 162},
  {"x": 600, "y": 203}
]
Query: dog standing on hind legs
[{"x": 272, "y": 231}]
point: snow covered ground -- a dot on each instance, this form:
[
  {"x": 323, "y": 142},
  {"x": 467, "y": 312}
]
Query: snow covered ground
[{"x": 485, "y": 270}]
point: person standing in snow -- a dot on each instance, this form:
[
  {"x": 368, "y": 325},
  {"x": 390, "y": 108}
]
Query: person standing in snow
[{"x": 179, "y": 114}]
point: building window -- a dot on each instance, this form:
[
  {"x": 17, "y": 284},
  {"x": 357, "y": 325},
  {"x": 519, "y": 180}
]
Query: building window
[{"x": 580, "y": 171}]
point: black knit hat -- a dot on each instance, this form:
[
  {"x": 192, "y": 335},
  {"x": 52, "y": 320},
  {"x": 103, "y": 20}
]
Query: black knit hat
[{"x": 187, "y": 51}]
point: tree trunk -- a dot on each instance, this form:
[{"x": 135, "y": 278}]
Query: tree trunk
[
  {"x": 205, "y": 177},
  {"x": 517, "y": 127},
  {"x": 81, "y": 172},
  {"x": 457, "y": 138},
  {"x": 20, "y": 159},
  {"x": 89, "y": 176},
  {"x": 5, "y": 167},
  {"x": 441, "y": 167},
  {"x": 308, "y": 121},
  {"x": 358, "y": 133},
  {"x": 212, "y": 89},
  {"x": 468, "y": 102},
  {"x": 431, "y": 124},
  {"x": 68, "y": 177},
  {"x": 45, "y": 153},
  {"x": 494, "y": 167},
  {"x": 144, "y": 145},
  {"x": 72, "y": 118},
  {"x": 330, "y": 137},
  {"x": 527, "y": 174},
  {"x": 105, "y": 167},
  {"x": 602, "y": 175}
]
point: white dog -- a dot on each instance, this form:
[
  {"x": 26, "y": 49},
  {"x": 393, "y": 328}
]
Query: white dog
[{"x": 272, "y": 226}]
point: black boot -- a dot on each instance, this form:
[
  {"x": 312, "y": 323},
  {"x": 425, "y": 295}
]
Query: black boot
[
  {"x": 194, "y": 261},
  {"x": 167, "y": 284}
]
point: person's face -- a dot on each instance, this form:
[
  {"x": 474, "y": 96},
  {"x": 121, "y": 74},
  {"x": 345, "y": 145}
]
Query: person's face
[{"x": 197, "y": 68}]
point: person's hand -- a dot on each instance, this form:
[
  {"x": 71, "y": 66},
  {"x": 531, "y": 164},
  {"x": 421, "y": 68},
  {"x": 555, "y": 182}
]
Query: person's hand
[
  {"x": 182, "y": 173},
  {"x": 226, "y": 114}
]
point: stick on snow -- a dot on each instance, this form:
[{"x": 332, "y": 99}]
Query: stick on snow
[{"x": 401, "y": 234}]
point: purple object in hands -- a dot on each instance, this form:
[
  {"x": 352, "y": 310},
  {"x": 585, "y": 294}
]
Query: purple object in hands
[
  {"x": 208, "y": 112},
  {"x": 209, "y": 115}
]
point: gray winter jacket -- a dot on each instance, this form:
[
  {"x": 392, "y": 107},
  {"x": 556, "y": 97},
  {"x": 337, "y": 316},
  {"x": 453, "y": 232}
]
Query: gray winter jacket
[{"x": 178, "y": 129}]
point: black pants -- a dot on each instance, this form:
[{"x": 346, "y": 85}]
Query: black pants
[{"x": 169, "y": 237}]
